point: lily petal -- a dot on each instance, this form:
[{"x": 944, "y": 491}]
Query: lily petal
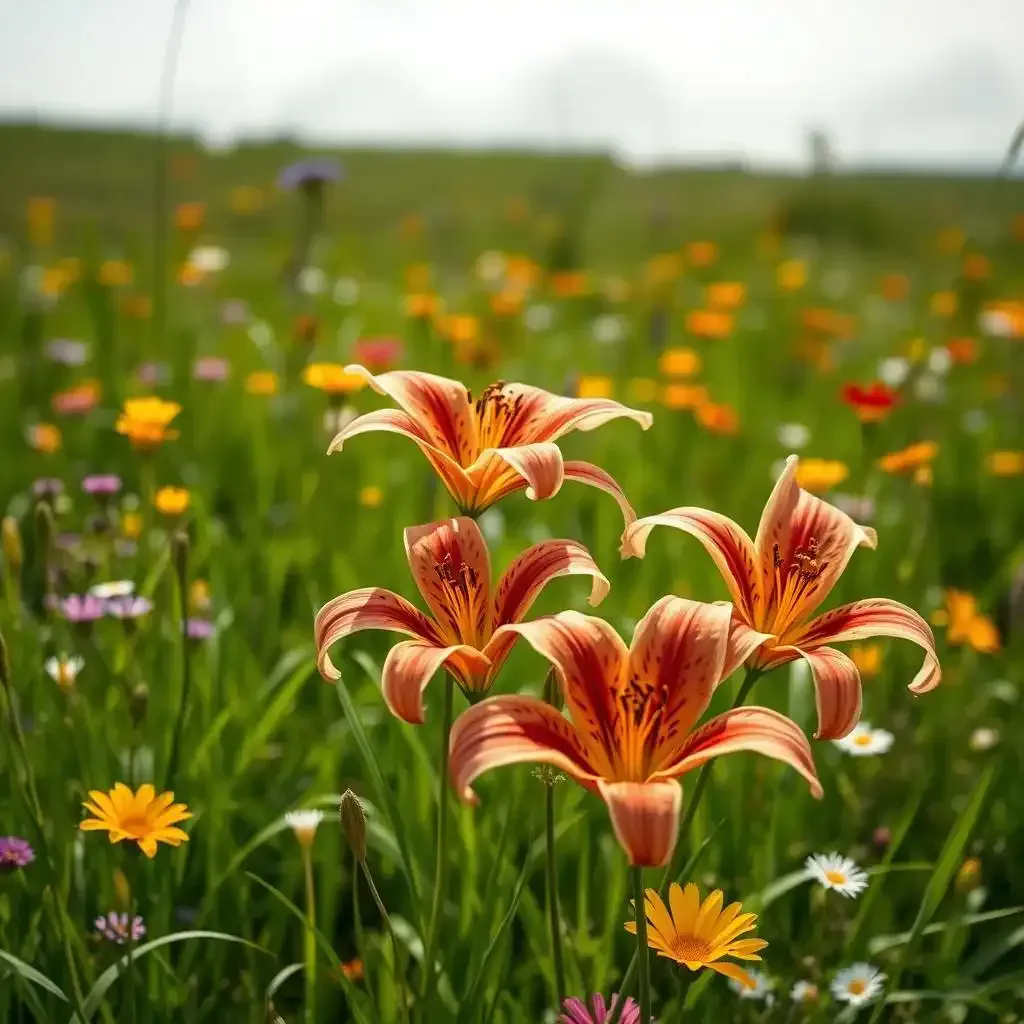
[
  {"x": 645, "y": 816},
  {"x": 368, "y": 608},
  {"x": 725, "y": 541},
  {"x": 796, "y": 521},
  {"x": 594, "y": 476},
  {"x": 440, "y": 407},
  {"x": 563, "y": 415},
  {"x": 409, "y": 667},
  {"x": 675, "y": 663},
  {"x": 590, "y": 660},
  {"x": 511, "y": 730},
  {"x": 757, "y": 729},
  {"x": 743, "y": 642},
  {"x": 876, "y": 616},
  {"x": 452, "y": 569},
  {"x": 837, "y": 690},
  {"x": 528, "y": 574},
  {"x": 539, "y": 465}
]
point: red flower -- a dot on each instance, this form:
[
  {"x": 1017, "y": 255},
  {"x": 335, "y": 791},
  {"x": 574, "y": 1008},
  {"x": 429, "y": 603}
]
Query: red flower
[
  {"x": 379, "y": 354},
  {"x": 872, "y": 403}
]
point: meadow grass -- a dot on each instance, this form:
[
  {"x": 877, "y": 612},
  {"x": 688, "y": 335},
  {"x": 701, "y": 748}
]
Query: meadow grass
[{"x": 243, "y": 729}]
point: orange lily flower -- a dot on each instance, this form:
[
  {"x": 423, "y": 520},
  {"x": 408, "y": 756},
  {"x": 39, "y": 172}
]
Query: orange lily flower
[
  {"x": 630, "y": 733},
  {"x": 778, "y": 581},
  {"x": 498, "y": 444},
  {"x": 452, "y": 569}
]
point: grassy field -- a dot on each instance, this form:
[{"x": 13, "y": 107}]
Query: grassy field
[{"x": 736, "y": 309}]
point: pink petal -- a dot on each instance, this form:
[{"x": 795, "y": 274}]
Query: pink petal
[
  {"x": 725, "y": 541},
  {"x": 368, "y": 608},
  {"x": 744, "y": 643},
  {"x": 837, "y": 690},
  {"x": 645, "y": 816},
  {"x": 511, "y": 730}
]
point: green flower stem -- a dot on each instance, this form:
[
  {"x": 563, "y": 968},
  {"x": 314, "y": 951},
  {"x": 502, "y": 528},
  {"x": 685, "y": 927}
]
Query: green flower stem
[
  {"x": 309, "y": 940},
  {"x": 441, "y": 862},
  {"x": 640, "y": 912},
  {"x": 676, "y": 864},
  {"x": 553, "y": 909},
  {"x": 180, "y": 546},
  {"x": 129, "y": 970},
  {"x": 399, "y": 983}
]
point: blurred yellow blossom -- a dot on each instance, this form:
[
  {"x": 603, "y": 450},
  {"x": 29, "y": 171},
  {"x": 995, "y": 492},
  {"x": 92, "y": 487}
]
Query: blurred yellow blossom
[
  {"x": 819, "y": 475},
  {"x": 332, "y": 379},
  {"x": 131, "y": 525},
  {"x": 594, "y": 387},
  {"x": 709, "y": 323},
  {"x": 643, "y": 390},
  {"x": 370, "y": 496},
  {"x": 726, "y": 295},
  {"x": 679, "y": 362},
  {"x": 115, "y": 273},
  {"x": 262, "y": 382},
  {"x": 40, "y": 214},
  {"x": 421, "y": 305},
  {"x": 567, "y": 284},
  {"x": 791, "y": 275},
  {"x": 701, "y": 254},
  {"x": 966, "y": 624},
  {"x": 867, "y": 658},
  {"x": 417, "y": 276},
  {"x": 944, "y": 303},
  {"x": 683, "y": 396},
  {"x": 910, "y": 458},
  {"x": 172, "y": 501},
  {"x": 1005, "y": 463},
  {"x": 45, "y": 437},
  {"x": 145, "y": 421}
]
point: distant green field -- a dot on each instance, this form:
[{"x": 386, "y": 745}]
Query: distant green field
[{"x": 743, "y": 352}]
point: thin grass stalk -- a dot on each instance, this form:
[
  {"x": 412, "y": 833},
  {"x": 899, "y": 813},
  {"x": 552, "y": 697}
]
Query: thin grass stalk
[
  {"x": 640, "y": 914},
  {"x": 180, "y": 543},
  {"x": 675, "y": 865},
  {"x": 395, "y": 949},
  {"x": 309, "y": 939}
]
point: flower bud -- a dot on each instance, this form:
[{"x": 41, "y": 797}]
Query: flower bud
[
  {"x": 968, "y": 877},
  {"x": 353, "y": 823}
]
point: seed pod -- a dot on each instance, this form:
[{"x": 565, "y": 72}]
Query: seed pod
[{"x": 353, "y": 823}]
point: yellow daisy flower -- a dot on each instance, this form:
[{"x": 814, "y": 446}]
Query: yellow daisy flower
[
  {"x": 697, "y": 935},
  {"x": 141, "y": 817}
]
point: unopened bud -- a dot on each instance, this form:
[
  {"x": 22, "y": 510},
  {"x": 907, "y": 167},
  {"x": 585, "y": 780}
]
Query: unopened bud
[
  {"x": 139, "y": 703},
  {"x": 14, "y": 555},
  {"x": 968, "y": 877},
  {"x": 353, "y": 823}
]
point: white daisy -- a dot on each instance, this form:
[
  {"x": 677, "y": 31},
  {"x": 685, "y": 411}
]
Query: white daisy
[
  {"x": 762, "y": 990},
  {"x": 608, "y": 328},
  {"x": 312, "y": 280},
  {"x": 983, "y": 739},
  {"x": 804, "y": 992},
  {"x": 865, "y": 741},
  {"x": 490, "y": 266},
  {"x": 996, "y": 322},
  {"x": 64, "y": 670},
  {"x": 857, "y": 984},
  {"x": 304, "y": 824},
  {"x": 210, "y": 259},
  {"x": 834, "y": 871},
  {"x": 115, "y": 588},
  {"x": 793, "y": 436},
  {"x": 893, "y": 371},
  {"x": 939, "y": 361}
]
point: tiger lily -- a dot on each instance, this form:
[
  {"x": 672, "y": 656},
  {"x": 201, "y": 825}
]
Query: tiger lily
[
  {"x": 495, "y": 445},
  {"x": 630, "y": 732},
  {"x": 451, "y": 566},
  {"x": 778, "y": 581}
]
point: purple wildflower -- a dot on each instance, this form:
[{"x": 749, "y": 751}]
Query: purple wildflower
[
  {"x": 14, "y": 853},
  {"x": 67, "y": 351},
  {"x": 82, "y": 608},
  {"x": 153, "y": 373},
  {"x": 199, "y": 629},
  {"x": 310, "y": 174},
  {"x": 577, "y": 1012},
  {"x": 67, "y": 541},
  {"x": 47, "y": 487},
  {"x": 102, "y": 485},
  {"x": 128, "y": 606},
  {"x": 114, "y": 927},
  {"x": 211, "y": 368},
  {"x": 234, "y": 312}
]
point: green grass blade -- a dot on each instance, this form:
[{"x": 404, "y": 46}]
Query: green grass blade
[
  {"x": 881, "y": 943},
  {"x": 31, "y": 975}
]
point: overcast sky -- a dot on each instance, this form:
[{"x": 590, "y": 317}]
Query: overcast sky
[{"x": 922, "y": 81}]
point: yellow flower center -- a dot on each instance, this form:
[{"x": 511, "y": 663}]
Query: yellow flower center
[
  {"x": 856, "y": 987},
  {"x": 862, "y": 740},
  {"x": 691, "y": 949},
  {"x": 137, "y": 826},
  {"x": 836, "y": 877}
]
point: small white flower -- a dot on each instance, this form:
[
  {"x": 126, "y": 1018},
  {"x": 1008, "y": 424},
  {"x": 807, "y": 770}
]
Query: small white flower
[
  {"x": 608, "y": 329},
  {"x": 64, "y": 670},
  {"x": 857, "y": 984},
  {"x": 115, "y": 588},
  {"x": 865, "y": 741},
  {"x": 261, "y": 334},
  {"x": 762, "y": 990},
  {"x": 893, "y": 371},
  {"x": 929, "y": 388},
  {"x": 346, "y": 291},
  {"x": 304, "y": 824},
  {"x": 490, "y": 266},
  {"x": 210, "y": 259},
  {"x": 996, "y": 323},
  {"x": 311, "y": 281},
  {"x": 793, "y": 436},
  {"x": 804, "y": 992},
  {"x": 939, "y": 361},
  {"x": 538, "y": 318},
  {"x": 984, "y": 739},
  {"x": 834, "y": 871}
]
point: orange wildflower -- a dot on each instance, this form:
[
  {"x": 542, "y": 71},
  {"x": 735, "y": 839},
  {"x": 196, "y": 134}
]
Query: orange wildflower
[
  {"x": 262, "y": 382},
  {"x": 895, "y": 287},
  {"x": 709, "y": 323},
  {"x": 141, "y": 817},
  {"x": 172, "y": 501},
  {"x": 421, "y": 306},
  {"x": 966, "y": 624},
  {"x": 962, "y": 350},
  {"x": 45, "y": 438},
  {"x": 779, "y": 580},
  {"x": 684, "y": 396},
  {"x": 726, "y": 295},
  {"x": 570, "y": 284},
  {"x": 719, "y": 419},
  {"x": 819, "y": 475},
  {"x": 145, "y": 421},
  {"x": 594, "y": 387},
  {"x": 701, "y": 254},
  {"x": 679, "y": 362},
  {"x": 867, "y": 658},
  {"x": 909, "y": 459},
  {"x": 944, "y": 304},
  {"x": 632, "y": 729},
  {"x": 1005, "y": 463},
  {"x": 189, "y": 216},
  {"x": 977, "y": 267}
]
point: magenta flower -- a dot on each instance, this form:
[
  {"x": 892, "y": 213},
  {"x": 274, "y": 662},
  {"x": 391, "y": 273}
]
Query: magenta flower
[
  {"x": 102, "y": 485},
  {"x": 211, "y": 368},
  {"x": 128, "y": 606},
  {"x": 114, "y": 927},
  {"x": 153, "y": 373},
  {"x": 199, "y": 629},
  {"x": 576, "y": 1011},
  {"x": 82, "y": 608},
  {"x": 14, "y": 853}
]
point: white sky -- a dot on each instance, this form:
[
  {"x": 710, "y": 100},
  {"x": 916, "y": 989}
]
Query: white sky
[{"x": 923, "y": 81}]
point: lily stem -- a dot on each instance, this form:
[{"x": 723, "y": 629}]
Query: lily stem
[
  {"x": 675, "y": 865},
  {"x": 441, "y": 861},
  {"x": 554, "y": 915},
  {"x": 640, "y": 910}
]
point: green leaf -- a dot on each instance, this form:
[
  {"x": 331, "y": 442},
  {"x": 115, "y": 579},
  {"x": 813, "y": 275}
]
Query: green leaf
[
  {"x": 94, "y": 998},
  {"x": 385, "y": 794},
  {"x": 280, "y": 978},
  {"x": 881, "y": 943},
  {"x": 321, "y": 940},
  {"x": 992, "y": 952},
  {"x": 30, "y": 974}
]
